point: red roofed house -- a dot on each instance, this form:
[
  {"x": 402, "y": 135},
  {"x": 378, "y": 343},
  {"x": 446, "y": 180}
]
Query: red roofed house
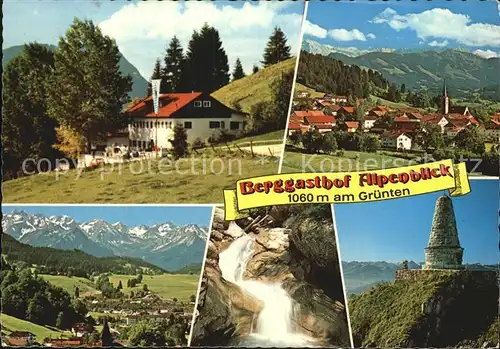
[
  {"x": 435, "y": 119},
  {"x": 199, "y": 113},
  {"x": 351, "y": 126},
  {"x": 294, "y": 126},
  {"x": 396, "y": 139},
  {"x": 320, "y": 121},
  {"x": 369, "y": 122},
  {"x": 20, "y": 338}
]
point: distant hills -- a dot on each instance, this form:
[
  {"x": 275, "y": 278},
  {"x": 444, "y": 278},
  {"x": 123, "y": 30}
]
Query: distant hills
[
  {"x": 463, "y": 71},
  {"x": 63, "y": 260},
  {"x": 361, "y": 276},
  {"x": 166, "y": 245},
  {"x": 139, "y": 84}
]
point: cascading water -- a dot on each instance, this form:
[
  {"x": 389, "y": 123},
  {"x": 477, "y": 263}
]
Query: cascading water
[{"x": 274, "y": 323}]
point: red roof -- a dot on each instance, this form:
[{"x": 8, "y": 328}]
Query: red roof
[
  {"x": 404, "y": 118},
  {"x": 323, "y": 126},
  {"x": 175, "y": 101},
  {"x": 352, "y": 124},
  {"x": 294, "y": 125},
  {"x": 301, "y": 114},
  {"x": 320, "y": 119},
  {"x": 432, "y": 118},
  {"x": 393, "y": 134},
  {"x": 349, "y": 110}
]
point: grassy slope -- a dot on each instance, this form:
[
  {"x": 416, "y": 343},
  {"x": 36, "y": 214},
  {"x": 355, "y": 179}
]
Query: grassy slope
[
  {"x": 384, "y": 314},
  {"x": 254, "y": 88},
  {"x": 314, "y": 94},
  {"x": 70, "y": 283},
  {"x": 162, "y": 184},
  {"x": 167, "y": 286},
  {"x": 10, "y": 324}
]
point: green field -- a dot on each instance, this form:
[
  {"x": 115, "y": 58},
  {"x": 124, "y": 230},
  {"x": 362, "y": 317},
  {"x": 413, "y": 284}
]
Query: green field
[
  {"x": 351, "y": 161},
  {"x": 167, "y": 286},
  {"x": 11, "y": 324},
  {"x": 314, "y": 94},
  {"x": 270, "y": 136},
  {"x": 253, "y": 88},
  {"x": 70, "y": 283},
  {"x": 197, "y": 179}
]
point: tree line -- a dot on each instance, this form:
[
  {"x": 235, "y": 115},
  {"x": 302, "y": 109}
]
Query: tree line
[
  {"x": 204, "y": 67},
  {"x": 70, "y": 262},
  {"x": 29, "y": 297},
  {"x": 334, "y": 77}
]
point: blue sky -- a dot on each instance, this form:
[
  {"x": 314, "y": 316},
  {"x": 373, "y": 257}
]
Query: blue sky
[
  {"x": 142, "y": 29},
  {"x": 397, "y": 230},
  {"x": 128, "y": 215},
  {"x": 471, "y": 25}
]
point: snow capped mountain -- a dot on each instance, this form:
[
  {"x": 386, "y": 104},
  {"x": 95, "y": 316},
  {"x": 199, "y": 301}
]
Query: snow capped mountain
[
  {"x": 167, "y": 245},
  {"x": 60, "y": 232},
  {"x": 314, "y": 47}
]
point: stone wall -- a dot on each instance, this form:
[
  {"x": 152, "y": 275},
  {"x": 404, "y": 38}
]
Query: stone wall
[{"x": 481, "y": 276}]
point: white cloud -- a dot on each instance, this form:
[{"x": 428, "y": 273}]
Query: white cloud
[
  {"x": 142, "y": 30},
  {"x": 443, "y": 24},
  {"x": 346, "y": 35},
  {"x": 371, "y": 36},
  {"x": 486, "y": 53},
  {"x": 436, "y": 43},
  {"x": 314, "y": 30}
]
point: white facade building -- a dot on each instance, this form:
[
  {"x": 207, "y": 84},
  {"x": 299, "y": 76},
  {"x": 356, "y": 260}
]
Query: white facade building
[
  {"x": 201, "y": 115},
  {"x": 396, "y": 140}
]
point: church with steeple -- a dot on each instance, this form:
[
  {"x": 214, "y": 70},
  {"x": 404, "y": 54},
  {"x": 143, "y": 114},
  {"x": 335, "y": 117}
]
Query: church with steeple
[{"x": 446, "y": 108}]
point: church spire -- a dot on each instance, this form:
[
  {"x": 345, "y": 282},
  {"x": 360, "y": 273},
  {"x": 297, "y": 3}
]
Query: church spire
[{"x": 445, "y": 101}]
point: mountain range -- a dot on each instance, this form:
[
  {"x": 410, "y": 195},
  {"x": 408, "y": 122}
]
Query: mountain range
[
  {"x": 360, "y": 276},
  {"x": 420, "y": 69},
  {"x": 166, "y": 245},
  {"x": 139, "y": 84}
]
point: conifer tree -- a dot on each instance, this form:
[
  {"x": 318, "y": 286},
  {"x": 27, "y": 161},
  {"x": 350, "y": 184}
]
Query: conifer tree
[
  {"x": 206, "y": 61},
  {"x": 238, "y": 72},
  {"x": 255, "y": 69},
  {"x": 87, "y": 90},
  {"x": 172, "y": 72},
  {"x": 120, "y": 286},
  {"x": 157, "y": 74},
  {"x": 277, "y": 49},
  {"x": 106, "y": 338},
  {"x": 77, "y": 292},
  {"x": 179, "y": 142}
]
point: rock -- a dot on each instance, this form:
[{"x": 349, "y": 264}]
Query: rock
[
  {"x": 227, "y": 312},
  {"x": 233, "y": 230},
  {"x": 275, "y": 239},
  {"x": 218, "y": 222},
  {"x": 318, "y": 315},
  {"x": 313, "y": 251},
  {"x": 212, "y": 252}
]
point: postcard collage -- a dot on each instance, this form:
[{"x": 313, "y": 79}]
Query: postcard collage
[{"x": 250, "y": 174}]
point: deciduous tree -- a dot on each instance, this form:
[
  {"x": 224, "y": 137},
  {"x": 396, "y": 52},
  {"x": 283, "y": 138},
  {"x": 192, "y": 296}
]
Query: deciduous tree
[{"x": 87, "y": 91}]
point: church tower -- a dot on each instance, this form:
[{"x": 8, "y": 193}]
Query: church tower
[
  {"x": 443, "y": 250},
  {"x": 445, "y": 101}
]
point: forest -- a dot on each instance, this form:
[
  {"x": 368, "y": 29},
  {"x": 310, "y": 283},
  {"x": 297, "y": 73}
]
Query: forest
[
  {"x": 70, "y": 262},
  {"x": 334, "y": 77}
]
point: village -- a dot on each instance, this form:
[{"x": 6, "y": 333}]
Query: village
[
  {"x": 118, "y": 318},
  {"x": 395, "y": 128}
]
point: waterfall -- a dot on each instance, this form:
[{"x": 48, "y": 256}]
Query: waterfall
[{"x": 274, "y": 323}]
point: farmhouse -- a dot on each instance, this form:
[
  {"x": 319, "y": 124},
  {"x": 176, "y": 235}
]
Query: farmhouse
[
  {"x": 396, "y": 139},
  {"x": 201, "y": 115},
  {"x": 80, "y": 329}
]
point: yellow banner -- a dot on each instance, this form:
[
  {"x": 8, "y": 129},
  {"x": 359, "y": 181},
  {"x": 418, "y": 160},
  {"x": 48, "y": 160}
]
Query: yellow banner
[{"x": 345, "y": 187}]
